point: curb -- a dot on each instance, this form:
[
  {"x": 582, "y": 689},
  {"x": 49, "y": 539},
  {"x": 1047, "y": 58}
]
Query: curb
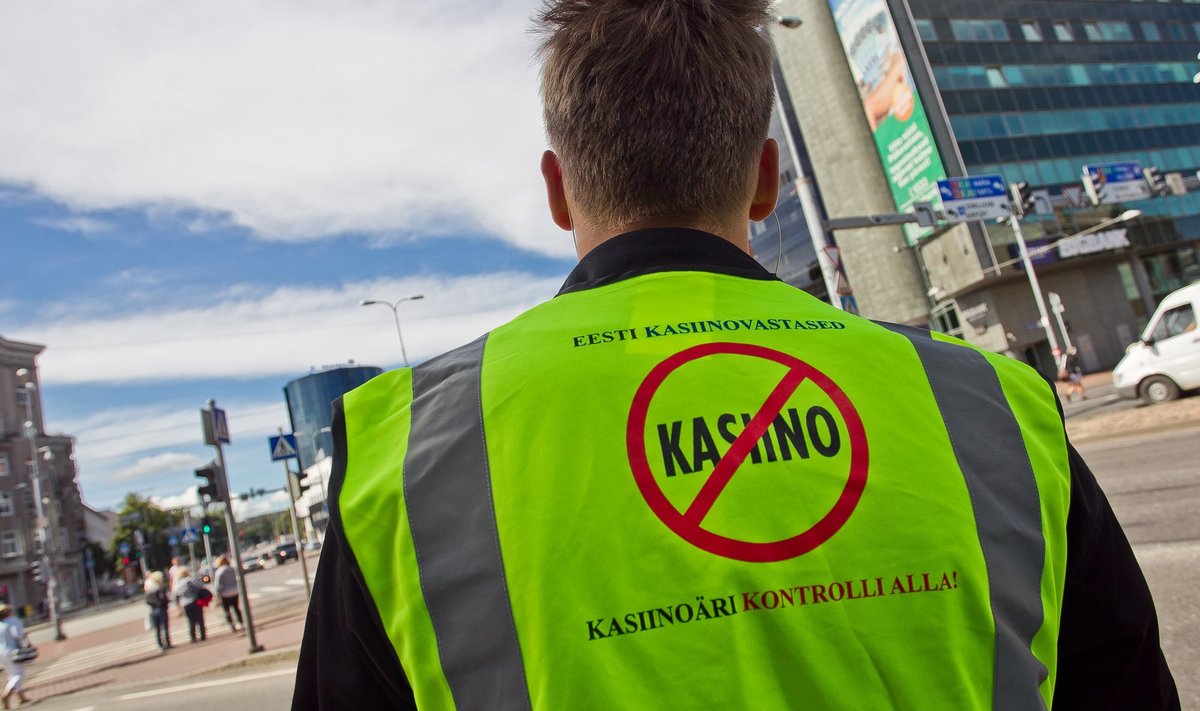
[
  {"x": 1136, "y": 433},
  {"x": 250, "y": 661}
]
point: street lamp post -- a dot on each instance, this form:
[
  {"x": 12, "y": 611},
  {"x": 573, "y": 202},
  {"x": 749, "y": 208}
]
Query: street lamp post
[
  {"x": 40, "y": 509},
  {"x": 1044, "y": 317},
  {"x": 394, "y": 306}
]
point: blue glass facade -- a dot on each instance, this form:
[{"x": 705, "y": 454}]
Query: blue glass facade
[
  {"x": 310, "y": 400},
  {"x": 1034, "y": 91}
]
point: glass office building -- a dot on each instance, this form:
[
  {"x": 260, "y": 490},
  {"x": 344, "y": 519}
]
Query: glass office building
[{"x": 1035, "y": 91}]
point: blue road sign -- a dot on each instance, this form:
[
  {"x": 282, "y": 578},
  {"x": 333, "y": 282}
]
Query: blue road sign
[
  {"x": 1108, "y": 183},
  {"x": 172, "y": 541},
  {"x": 124, "y": 548},
  {"x": 189, "y": 535},
  {"x": 221, "y": 425},
  {"x": 974, "y": 197},
  {"x": 972, "y": 186},
  {"x": 282, "y": 447}
]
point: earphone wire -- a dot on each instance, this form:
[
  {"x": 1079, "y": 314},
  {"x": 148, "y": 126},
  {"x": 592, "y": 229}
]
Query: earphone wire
[{"x": 779, "y": 228}]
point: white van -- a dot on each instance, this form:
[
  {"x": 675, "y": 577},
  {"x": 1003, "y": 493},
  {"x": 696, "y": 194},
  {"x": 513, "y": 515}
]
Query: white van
[{"x": 1166, "y": 360}]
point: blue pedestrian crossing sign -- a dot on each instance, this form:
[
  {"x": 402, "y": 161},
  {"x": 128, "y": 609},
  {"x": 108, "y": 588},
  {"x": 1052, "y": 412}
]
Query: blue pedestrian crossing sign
[
  {"x": 283, "y": 447},
  {"x": 172, "y": 541},
  {"x": 189, "y": 536}
]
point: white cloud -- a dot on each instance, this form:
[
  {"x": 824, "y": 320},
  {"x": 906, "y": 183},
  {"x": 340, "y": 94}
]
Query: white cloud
[
  {"x": 250, "y": 331},
  {"x": 292, "y": 117},
  {"x": 124, "y": 432},
  {"x": 158, "y": 464},
  {"x": 82, "y": 225},
  {"x": 242, "y": 510}
]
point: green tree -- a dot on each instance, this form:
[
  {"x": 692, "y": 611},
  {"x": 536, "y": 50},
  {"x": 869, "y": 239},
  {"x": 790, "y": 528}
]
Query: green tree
[{"x": 140, "y": 514}]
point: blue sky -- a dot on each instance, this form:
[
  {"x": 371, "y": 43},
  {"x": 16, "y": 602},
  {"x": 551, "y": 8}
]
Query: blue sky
[{"x": 194, "y": 197}]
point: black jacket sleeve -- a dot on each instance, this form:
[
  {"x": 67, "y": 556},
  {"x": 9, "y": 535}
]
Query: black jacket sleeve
[
  {"x": 1109, "y": 655},
  {"x": 346, "y": 659}
]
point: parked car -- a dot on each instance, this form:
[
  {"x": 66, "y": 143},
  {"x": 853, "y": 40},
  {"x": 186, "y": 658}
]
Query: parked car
[
  {"x": 251, "y": 564},
  {"x": 283, "y": 552},
  {"x": 1166, "y": 360}
]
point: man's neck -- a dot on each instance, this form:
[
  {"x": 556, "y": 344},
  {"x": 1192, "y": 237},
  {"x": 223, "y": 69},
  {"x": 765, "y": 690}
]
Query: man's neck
[{"x": 588, "y": 237}]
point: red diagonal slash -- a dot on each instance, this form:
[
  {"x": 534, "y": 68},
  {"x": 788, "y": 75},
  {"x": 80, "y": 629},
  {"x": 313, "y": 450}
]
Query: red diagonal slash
[{"x": 741, "y": 447}]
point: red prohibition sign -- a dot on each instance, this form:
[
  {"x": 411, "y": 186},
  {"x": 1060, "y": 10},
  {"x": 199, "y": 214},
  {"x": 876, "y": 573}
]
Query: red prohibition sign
[{"x": 689, "y": 524}]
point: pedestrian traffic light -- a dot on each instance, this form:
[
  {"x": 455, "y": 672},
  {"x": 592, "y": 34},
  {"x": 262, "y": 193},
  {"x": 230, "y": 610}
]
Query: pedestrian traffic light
[
  {"x": 206, "y": 526},
  {"x": 36, "y": 569},
  {"x": 296, "y": 484},
  {"x": 1022, "y": 197},
  {"x": 212, "y": 474},
  {"x": 1155, "y": 180}
]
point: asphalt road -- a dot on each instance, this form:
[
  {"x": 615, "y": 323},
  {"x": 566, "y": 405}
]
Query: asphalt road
[{"x": 1153, "y": 483}]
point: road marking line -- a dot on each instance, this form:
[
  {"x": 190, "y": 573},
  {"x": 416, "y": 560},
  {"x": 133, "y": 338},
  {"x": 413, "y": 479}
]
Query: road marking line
[
  {"x": 206, "y": 684},
  {"x": 254, "y": 596},
  {"x": 272, "y": 589},
  {"x": 294, "y": 581},
  {"x": 86, "y": 708}
]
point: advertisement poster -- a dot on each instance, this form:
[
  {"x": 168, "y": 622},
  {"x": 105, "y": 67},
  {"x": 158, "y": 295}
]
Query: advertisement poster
[{"x": 893, "y": 108}]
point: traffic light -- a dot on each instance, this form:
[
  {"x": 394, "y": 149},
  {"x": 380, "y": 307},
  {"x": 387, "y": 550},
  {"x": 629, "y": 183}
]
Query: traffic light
[
  {"x": 36, "y": 569},
  {"x": 1155, "y": 180},
  {"x": 296, "y": 484},
  {"x": 212, "y": 474},
  {"x": 1022, "y": 197},
  {"x": 206, "y": 526}
]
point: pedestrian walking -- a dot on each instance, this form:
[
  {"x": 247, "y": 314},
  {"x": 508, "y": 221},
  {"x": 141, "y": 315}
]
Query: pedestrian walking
[
  {"x": 227, "y": 589},
  {"x": 158, "y": 599},
  {"x": 684, "y": 484},
  {"x": 12, "y": 639},
  {"x": 173, "y": 572},
  {"x": 1074, "y": 374},
  {"x": 190, "y": 598}
]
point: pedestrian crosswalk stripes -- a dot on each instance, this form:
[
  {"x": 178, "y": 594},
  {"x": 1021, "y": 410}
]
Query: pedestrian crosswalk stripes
[
  {"x": 101, "y": 656},
  {"x": 93, "y": 659}
]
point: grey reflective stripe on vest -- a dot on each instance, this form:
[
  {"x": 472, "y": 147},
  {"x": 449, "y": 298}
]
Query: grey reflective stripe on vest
[
  {"x": 1004, "y": 495},
  {"x": 447, "y": 490}
]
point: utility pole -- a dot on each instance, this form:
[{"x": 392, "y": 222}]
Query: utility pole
[
  {"x": 293, "y": 494},
  {"x": 216, "y": 432},
  {"x": 40, "y": 509},
  {"x": 1044, "y": 318}
]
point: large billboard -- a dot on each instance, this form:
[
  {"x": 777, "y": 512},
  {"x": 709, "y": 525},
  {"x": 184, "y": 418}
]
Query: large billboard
[{"x": 891, "y": 103}]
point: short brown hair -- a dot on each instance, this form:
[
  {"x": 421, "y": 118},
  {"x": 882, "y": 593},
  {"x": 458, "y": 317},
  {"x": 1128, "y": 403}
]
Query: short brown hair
[{"x": 656, "y": 108}]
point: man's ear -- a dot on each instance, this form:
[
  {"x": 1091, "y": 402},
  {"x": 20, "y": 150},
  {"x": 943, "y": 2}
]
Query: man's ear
[
  {"x": 556, "y": 194},
  {"x": 766, "y": 189}
]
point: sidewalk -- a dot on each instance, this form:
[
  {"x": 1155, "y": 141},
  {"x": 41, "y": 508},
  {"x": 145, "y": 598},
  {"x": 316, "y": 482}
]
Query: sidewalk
[{"x": 280, "y": 633}]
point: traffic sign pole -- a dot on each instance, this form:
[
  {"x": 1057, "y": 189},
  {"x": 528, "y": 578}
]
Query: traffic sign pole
[
  {"x": 1015, "y": 224},
  {"x": 287, "y": 484},
  {"x": 231, "y": 528},
  {"x": 191, "y": 543}
]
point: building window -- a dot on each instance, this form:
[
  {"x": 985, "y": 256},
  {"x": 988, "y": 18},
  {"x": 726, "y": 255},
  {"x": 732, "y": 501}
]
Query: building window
[
  {"x": 6, "y": 504},
  {"x": 1031, "y": 31},
  {"x": 979, "y": 30},
  {"x": 3, "y": 463},
  {"x": 1175, "y": 322},
  {"x": 1178, "y": 31},
  {"x": 926, "y": 30},
  {"x": 995, "y": 77},
  {"x": 1150, "y": 31},
  {"x": 1108, "y": 31},
  {"x": 10, "y": 544},
  {"x": 1062, "y": 31}
]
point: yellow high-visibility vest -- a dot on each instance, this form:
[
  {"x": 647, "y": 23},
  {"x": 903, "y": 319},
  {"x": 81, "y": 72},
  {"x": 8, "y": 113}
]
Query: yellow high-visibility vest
[{"x": 687, "y": 490}]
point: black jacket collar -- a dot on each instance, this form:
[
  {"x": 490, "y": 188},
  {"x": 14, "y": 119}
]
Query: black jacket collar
[{"x": 665, "y": 249}]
